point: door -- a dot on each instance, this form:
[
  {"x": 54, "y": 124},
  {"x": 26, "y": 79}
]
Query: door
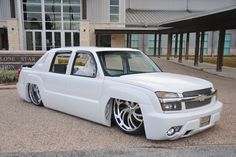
[
  {"x": 53, "y": 40},
  {"x": 72, "y": 39},
  {"x": 103, "y": 40},
  {"x": 54, "y": 81},
  {"x": 34, "y": 40},
  {"x": 84, "y": 88}
]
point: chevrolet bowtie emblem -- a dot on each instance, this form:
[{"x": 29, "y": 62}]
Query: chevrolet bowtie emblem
[{"x": 201, "y": 97}]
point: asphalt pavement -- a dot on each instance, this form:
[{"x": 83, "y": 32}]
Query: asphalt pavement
[{"x": 193, "y": 151}]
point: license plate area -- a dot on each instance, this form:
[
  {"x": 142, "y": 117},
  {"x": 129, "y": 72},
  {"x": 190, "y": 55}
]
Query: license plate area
[{"x": 205, "y": 121}]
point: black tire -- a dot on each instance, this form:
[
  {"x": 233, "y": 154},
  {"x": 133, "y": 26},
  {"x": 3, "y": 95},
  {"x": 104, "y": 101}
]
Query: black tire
[
  {"x": 34, "y": 95},
  {"x": 128, "y": 117}
]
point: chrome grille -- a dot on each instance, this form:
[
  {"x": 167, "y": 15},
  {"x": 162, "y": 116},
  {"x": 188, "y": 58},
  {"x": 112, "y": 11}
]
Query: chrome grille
[
  {"x": 197, "y": 103},
  {"x": 194, "y": 104},
  {"x": 206, "y": 91}
]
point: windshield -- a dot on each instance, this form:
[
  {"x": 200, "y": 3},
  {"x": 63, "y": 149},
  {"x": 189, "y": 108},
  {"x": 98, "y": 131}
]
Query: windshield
[{"x": 117, "y": 63}]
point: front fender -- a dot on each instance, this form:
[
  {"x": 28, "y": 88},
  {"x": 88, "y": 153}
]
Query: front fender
[{"x": 143, "y": 97}]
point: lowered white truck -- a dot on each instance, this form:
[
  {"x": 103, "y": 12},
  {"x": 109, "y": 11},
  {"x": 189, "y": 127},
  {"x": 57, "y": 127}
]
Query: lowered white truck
[{"x": 124, "y": 85}]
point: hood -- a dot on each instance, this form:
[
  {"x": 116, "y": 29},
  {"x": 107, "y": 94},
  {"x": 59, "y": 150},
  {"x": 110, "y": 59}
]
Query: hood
[{"x": 163, "y": 81}]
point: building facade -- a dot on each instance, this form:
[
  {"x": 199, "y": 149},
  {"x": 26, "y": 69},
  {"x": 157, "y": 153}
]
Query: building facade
[{"x": 39, "y": 25}]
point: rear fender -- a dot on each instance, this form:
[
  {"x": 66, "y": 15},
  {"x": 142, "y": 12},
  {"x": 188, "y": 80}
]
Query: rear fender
[{"x": 35, "y": 79}]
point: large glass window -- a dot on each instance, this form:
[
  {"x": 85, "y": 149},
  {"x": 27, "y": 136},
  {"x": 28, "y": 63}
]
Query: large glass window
[
  {"x": 53, "y": 40},
  {"x": 114, "y": 10},
  {"x": 52, "y": 1},
  {"x": 205, "y": 45},
  {"x": 227, "y": 44},
  {"x": 32, "y": 1},
  {"x": 134, "y": 41},
  {"x": 34, "y": 40},
  {"x": 104, "y": 40},
  {"x": 53, "y": 16},
  {"x": 174, "y": 38},
  {"x": 38, "y": 41},
  {"x": 76, "y": 37},
  {"x": 151, "y": 42},
  {"x": 29, "y": 40},
  {"x": 68, "y": 39},
  {"x": 71, "y": 14},
  {"x": 32, "y": 12}
]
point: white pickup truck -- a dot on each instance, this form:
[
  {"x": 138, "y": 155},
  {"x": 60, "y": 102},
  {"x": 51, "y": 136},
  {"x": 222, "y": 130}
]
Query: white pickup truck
[{"x": 124, "y": 85}]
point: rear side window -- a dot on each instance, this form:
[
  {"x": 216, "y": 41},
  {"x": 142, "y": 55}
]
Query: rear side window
[{"x": 60, "y": 62}]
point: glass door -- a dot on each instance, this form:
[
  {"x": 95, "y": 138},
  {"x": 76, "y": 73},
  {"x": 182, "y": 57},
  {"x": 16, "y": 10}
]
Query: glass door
[
  {"x": 72, "y": 39},
  {"x": 68, "y": 39},
  {"x": 34, "y": 40},
  {"x": 53, "y": 40}
]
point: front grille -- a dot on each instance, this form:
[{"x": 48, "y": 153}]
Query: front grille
[
  {"x": 197, "y": 103},
  {"x": 206, "y": 91},
  {"x": 194, "y": 104}
]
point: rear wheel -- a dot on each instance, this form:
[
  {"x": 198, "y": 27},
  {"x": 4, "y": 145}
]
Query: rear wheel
[
  {"x": 34, "y": 95},
  {"x": 128, "y": 116}
]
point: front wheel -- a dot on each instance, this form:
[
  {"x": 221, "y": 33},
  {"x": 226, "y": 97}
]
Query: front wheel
[
  {"x": 34, "y": 95},
  {"x": 128, "y": 116}
]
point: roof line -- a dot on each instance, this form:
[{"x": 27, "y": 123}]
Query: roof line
[{"x": 199, "y": 15}]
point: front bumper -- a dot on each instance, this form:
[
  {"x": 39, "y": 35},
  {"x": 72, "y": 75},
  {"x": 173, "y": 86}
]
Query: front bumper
[{"x": 157, "y": 124}]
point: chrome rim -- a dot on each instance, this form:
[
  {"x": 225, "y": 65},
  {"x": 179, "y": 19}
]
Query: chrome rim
[
  {"x": 34, "y": 94},
  {"x": 127, "y": 115}
]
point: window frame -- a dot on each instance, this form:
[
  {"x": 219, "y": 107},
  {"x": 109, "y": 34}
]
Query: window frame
[
  {"x": 227, "y": 41},
  {"x": 74, "y": 60},
  {"x": 54, "y": 57},
  {"x": 111, "y": 14}
]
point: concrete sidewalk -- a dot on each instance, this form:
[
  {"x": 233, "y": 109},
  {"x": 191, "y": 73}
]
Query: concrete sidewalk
[
  {"x": 7, "y": 86},
  {"x": 209, "y": 68}
]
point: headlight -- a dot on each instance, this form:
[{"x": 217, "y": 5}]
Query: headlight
[
  {"x": 166, "y": 95},
  {"x": 169, "y": 101},
  {"x": 174, "y": 106}
]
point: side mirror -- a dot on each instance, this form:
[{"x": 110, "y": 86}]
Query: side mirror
[{"x": 94, "y": 72}]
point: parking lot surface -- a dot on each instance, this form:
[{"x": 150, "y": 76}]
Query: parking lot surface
[{"x": 28, "y": 128}]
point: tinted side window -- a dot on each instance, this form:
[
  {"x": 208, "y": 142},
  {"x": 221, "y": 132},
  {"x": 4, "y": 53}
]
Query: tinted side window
[
  {"x": 60, "y": 62},
  {"x": 84, "y": 65}
]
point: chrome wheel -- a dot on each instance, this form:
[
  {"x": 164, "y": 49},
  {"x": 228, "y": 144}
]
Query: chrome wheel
[
  {"x": 128, "y": 116},
  {"x": 34, "y": 94}
]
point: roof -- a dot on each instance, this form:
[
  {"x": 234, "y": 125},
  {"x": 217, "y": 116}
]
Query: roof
[
  {"x": 199, "y": 15},
  {"x": 223, "y": 18},
  {"x": 90, "y": 49},
  {"x": 152, "y": 18}
]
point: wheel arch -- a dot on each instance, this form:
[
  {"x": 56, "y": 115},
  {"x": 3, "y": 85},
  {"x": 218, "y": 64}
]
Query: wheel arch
[
  {"x": 138, "y": 95},
  {"x": 34, "y": 79}
]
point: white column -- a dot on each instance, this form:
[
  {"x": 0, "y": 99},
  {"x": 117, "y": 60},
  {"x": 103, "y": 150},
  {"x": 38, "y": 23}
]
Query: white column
[
  {"x": 20, "y": 23},
  {"x": 43, "y": 26},
  {"x": 62, "y": 27}
]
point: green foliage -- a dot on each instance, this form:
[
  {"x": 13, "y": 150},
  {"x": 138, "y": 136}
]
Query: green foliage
[
  {"x": 229, "y": 61},
  {"x": 8, "y": 76}
]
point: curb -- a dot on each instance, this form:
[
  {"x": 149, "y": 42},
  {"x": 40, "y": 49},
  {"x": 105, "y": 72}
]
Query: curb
[{"x": 3, "y": 86}]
